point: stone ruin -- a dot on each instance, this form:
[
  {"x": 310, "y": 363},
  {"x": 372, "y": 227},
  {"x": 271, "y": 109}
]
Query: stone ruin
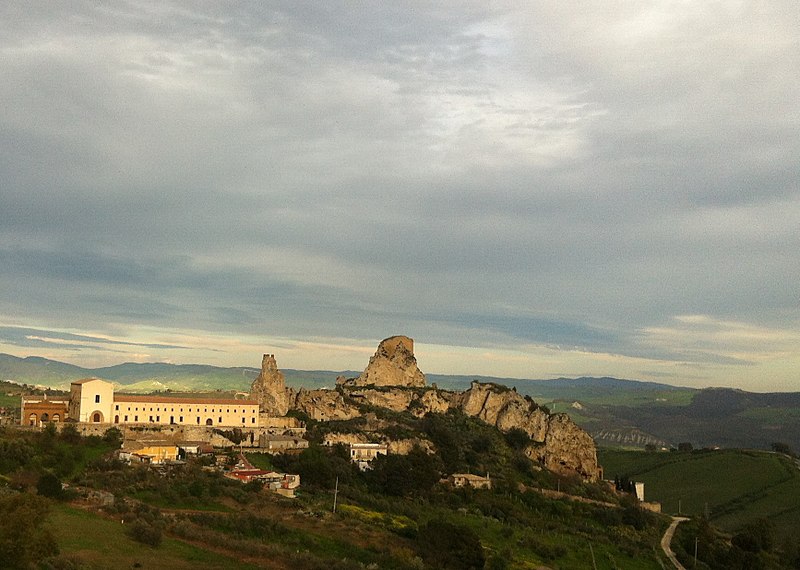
[{"x": 269, "y": 388}]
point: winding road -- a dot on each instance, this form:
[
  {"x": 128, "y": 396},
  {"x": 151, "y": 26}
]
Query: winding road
[{"x": 667, "y": 539}]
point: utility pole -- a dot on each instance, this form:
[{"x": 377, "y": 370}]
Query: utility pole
[
  {"x": 696, "y": 539},
  {"x": 679, "y": 506},
  {"x": 335, "y": 493}
]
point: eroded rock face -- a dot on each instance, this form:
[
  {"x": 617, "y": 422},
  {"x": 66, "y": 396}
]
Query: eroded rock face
[
  {"x": 269, "y": 388},
  {"x": 504, "y": 408},
  {"x": 435, "y": 401},
  {"x": 392, "y": 380},
  {"x": 393, "y": 364},
  {"x": 396, "y": 400},
  {"x": 324, "y": 405},
  {"x": 567, "y": 449}
]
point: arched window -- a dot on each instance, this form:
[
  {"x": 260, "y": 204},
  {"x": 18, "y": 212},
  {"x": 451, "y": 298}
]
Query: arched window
[
  {"x": 56, "y": 418},
  {"x": 33, "y": 419},
  {"x": 209, "y": 422},
  {"x": 45, "y": 417}
]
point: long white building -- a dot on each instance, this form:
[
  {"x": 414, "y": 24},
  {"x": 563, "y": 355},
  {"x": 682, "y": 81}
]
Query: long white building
[{"x": 93, "y": 401}]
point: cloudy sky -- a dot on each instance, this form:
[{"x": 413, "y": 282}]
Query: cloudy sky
[{"x": 527, "y": 189}]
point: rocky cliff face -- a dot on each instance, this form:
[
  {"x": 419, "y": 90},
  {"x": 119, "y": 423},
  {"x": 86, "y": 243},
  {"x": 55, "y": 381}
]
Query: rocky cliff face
[
  {"x": 503, "y": 408},
  {"x": 269, "y": 388},
  {"x": 392, "y": 380},
  {"x": 393, "y": 364},
  {"x": 567, "y": 449},
  {"x": 324, "y": 405}
]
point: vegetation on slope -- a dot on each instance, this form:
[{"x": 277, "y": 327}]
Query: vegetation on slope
[{"x": 752, "y": 496}]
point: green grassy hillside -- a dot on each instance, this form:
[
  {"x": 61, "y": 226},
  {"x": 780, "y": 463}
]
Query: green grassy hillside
[{"x": 734, "y": 487}]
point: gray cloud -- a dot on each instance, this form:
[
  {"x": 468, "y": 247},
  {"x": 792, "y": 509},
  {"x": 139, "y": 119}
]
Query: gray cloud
[{"x": 560, "y": 175}]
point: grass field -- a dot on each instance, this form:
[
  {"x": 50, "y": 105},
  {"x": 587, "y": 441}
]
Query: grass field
[
  {"x": 733, "y": 486},
  {"x": 101, "y": 543}
]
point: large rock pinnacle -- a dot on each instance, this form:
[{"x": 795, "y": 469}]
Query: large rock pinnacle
[
  {"x": 393, "y": 364},
  {"x": 269, "y": 388}
]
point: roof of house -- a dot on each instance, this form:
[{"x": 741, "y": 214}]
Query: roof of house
[
  {"x": 470, "y": 476},
  {"x": 166, "y": 399},
  {"x": 87, "y": 380}
]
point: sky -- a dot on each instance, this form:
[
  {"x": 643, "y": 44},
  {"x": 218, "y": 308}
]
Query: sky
[{"x": 530, "y": 190}]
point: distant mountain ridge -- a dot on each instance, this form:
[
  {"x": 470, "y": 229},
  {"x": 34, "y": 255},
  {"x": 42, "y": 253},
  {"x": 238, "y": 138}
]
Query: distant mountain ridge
[
  {"x": 617, "y": 412},
  {"x": 52, "y": 373}
]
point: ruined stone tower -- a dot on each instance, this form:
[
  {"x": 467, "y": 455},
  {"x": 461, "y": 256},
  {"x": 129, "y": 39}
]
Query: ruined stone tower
[{"x": 269, "y": 388}]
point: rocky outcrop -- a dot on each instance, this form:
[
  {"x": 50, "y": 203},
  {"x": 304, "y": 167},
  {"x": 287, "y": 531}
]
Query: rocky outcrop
[
  {"x": 503, "y": 408},
  {"x": 566, "y": 449},
  {"x": 324, "y": 405},
  {"x": 393, "y": 364},
  {"x": 393, "y": 381},
  {"x": 557, "y": 442},
  {"x": 397, "y": 400},
  {"x": 269, "y": 388},
  {"x": 435, "y": 401}
]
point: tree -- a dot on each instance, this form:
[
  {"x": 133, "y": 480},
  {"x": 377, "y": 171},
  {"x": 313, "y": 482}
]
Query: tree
[
  {"x": 779, "y": 447},
  {"x": 449, "y": 546},
  {"x": 49, "y": 486},
  {"x": 400, "y": 475},
  {"x": 23, "y": 539},
  {"x": 755, "y": 537},
  {"x": 517, "y": 438}
]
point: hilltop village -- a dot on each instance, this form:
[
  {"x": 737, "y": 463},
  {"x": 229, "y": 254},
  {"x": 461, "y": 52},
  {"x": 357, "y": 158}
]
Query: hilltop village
[
  {"x": 383, "y": 470},
  {"x": 273, "y": 418}
]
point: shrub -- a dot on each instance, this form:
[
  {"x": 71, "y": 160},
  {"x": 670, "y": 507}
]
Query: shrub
[
  {"x": 445, "y": 545},
  {"x": 148, "y": 533}
]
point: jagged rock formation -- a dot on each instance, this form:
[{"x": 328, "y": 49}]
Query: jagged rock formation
[
  {"x": 434, "y": 400},
  {"x": 269, "y": 388},
  {"x": 504, "y": 408},
  {"x": 393, "y": 381},
  {"x": 393, "y": 364},
  {"x": 324, "y": 405},
  {"x": 567, "y": 449},
  {"x": 396, "y": 400}
]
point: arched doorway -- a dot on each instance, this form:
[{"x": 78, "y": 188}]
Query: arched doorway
[
  {"x": 45, "y": 417},
  {"x": 209, "y": 422},
  {"x": 33, "y": 419},
  {"x": 116, "y": 419},
  {"x": 97, "y": 417}
]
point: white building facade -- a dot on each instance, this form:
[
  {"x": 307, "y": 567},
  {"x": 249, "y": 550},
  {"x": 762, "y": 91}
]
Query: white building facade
[{"x": 94, "y": 401}]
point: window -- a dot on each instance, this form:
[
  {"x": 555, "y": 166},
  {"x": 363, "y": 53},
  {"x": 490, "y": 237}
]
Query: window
[
  {"x": 181, "y": 420},
  {"x": 198, "y": 420},
  {"x": 158, "y": 418},
  {"x": 253, "y": 420},
  {"x": 244, "y": 420},
  {"x": 126, "y": 418},
  {"x": 116, "y": 407},
  {"x": 151, "y": 418},
  {"x": 97, "y": 398},
  {"x": 220, "y": 420},
  {"x": 136, "y": 418}
]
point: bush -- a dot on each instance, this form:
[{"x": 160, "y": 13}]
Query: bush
[
  {"x": 49, "y": 486},
  {"x": 148, "y": 533},
  {"x": 445, "y": 545}
]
